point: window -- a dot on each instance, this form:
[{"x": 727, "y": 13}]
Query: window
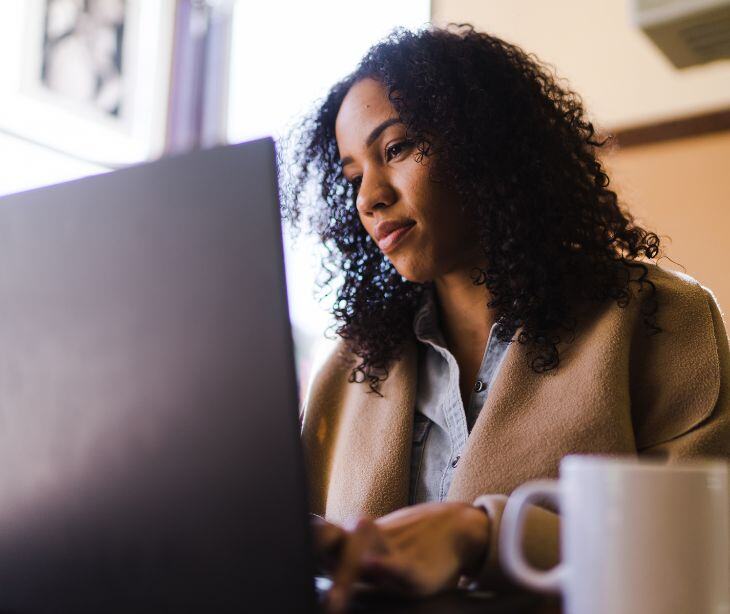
[
  {"x": 25, "y": 165},
  {"x": 279, "y": 68}
]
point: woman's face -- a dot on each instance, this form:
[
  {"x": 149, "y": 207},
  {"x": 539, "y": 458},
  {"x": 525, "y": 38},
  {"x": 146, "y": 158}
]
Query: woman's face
[{"x": 415, "y": 221}]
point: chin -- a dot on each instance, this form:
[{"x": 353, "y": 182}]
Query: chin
[{"x": 416, "y": 272}]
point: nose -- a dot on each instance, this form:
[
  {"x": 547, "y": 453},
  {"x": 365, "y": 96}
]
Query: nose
[{"x": 375, "y": 193}]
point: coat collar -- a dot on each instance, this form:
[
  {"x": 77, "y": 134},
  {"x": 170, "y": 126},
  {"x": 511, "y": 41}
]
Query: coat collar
[{"x": 616, "y": 391}]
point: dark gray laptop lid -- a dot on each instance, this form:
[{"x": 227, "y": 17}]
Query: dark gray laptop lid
[{"x": 149, "y": 454}]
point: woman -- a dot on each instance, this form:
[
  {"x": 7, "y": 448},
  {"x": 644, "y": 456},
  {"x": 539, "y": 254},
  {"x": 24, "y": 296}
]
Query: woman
[{"x": 498, "y": 310}]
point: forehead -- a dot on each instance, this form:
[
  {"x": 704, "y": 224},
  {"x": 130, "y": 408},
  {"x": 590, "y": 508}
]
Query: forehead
[{"x": 365, "y": 106}]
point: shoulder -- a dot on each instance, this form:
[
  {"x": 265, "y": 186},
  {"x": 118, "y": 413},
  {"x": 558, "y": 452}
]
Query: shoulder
[
  {"x": 679, "y": 294},
  {"x": 331, "y": 372},
  {"x": 335, "y": 361},
  {"x": 674, "y": 302},
  {"x": 685, "y": 313},
  {"x": 332, "y": 389},
  {"x": 675, "y": 373},
  {"x": 665, "y": 349},
  {"x": 683, "y": 310}
]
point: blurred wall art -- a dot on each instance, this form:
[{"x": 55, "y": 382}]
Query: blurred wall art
[{"x": 92, "y": 78}]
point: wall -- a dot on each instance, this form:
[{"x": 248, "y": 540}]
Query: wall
[
  {"x": 619, "y": 72},
  {"x": 679, "y": 188}
]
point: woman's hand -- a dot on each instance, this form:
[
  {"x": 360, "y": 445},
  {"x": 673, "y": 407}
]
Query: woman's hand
[{"x": 417, "y": 550}]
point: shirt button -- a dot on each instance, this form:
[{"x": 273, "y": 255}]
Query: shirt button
[
  {"x": 455, "y": 462},
  {"x": 479, "y": 386}
]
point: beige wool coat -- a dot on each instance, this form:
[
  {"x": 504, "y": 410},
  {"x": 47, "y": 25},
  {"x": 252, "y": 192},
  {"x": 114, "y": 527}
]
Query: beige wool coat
[{"x": 617, "y": 391}]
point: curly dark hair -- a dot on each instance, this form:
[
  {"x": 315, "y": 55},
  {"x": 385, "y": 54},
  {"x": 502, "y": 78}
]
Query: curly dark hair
[{"x": 521, "y": 155}]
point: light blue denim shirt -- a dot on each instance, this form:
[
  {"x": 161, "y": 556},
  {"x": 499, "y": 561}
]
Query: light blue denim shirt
[{"x": 442, "y": 423}]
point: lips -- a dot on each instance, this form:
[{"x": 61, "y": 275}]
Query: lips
[
  {"x": 389, "y": 233},
  {"x": 383, "y": 229}
]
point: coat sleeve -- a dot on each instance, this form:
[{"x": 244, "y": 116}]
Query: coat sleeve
[
  {"x": 708, "y": 438},
  {"x": 541, "y": 541},
  {"x": 711, "y": 437}
]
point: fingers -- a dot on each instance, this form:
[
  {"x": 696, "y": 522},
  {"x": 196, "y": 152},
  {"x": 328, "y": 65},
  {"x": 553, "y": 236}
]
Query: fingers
[
  {"x": 328, "y": 540},
  {"x": 326, "y": 534},
  {"x": 384, "y": 572},
  {"x": 362, "y": 540}
]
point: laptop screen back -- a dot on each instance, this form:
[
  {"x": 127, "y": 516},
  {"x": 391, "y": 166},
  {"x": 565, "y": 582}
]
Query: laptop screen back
[{"x": 149, "y": 455}]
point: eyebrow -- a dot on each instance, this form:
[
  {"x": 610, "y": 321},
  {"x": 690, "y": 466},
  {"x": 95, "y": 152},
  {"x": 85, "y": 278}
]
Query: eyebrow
[{"x": 376, "y": 132}]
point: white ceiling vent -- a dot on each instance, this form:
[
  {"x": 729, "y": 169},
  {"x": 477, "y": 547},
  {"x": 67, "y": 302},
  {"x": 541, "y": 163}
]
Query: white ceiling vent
[{"x": 688, "y": 32}]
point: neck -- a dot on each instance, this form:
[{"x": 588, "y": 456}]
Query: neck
[{"x": 465, "y": 320}]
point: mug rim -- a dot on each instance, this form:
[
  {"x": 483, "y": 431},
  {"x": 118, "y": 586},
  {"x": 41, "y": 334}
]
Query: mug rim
[{"x": 585, "y": 462}]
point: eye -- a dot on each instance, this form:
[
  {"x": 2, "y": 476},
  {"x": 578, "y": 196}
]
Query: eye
[
  {"x": 355, "y": 183},
  {"x": 396, "y": 149}
]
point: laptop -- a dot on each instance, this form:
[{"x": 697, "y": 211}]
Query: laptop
[
  {"x": 149, "y": 436},
  {"x": 149, "y": 455}
]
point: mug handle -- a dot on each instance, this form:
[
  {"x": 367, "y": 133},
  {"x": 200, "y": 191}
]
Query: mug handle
[{"x": 510, "y": 552}]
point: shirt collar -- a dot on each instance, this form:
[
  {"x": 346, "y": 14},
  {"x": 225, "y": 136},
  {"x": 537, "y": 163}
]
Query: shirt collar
[
  {"x": 426, "y": 321},
  {"x": 426, "y": 324}
]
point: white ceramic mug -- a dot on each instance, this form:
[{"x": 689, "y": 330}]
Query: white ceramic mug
[{"x": 638, "y": 537}]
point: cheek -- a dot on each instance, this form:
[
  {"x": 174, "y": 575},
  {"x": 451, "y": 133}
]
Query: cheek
[
  {"x": 444, "y": 227},
  {"x": 449, "y": 222},
  {"x": 447, "y": 243},
  {"x": 454, "y": 235}
]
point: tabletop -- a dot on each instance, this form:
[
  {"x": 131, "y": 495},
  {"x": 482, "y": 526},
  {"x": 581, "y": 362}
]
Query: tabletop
[{"x": 457, "y": 602}]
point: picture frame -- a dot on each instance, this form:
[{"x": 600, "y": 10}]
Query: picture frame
[{"x": 111, "y": 108}]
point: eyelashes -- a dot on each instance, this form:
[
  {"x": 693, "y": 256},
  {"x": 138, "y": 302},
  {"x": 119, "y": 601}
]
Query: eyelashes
[
  {"x": 396, "y": 149},
  {"x": 392, "y": 151}
]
